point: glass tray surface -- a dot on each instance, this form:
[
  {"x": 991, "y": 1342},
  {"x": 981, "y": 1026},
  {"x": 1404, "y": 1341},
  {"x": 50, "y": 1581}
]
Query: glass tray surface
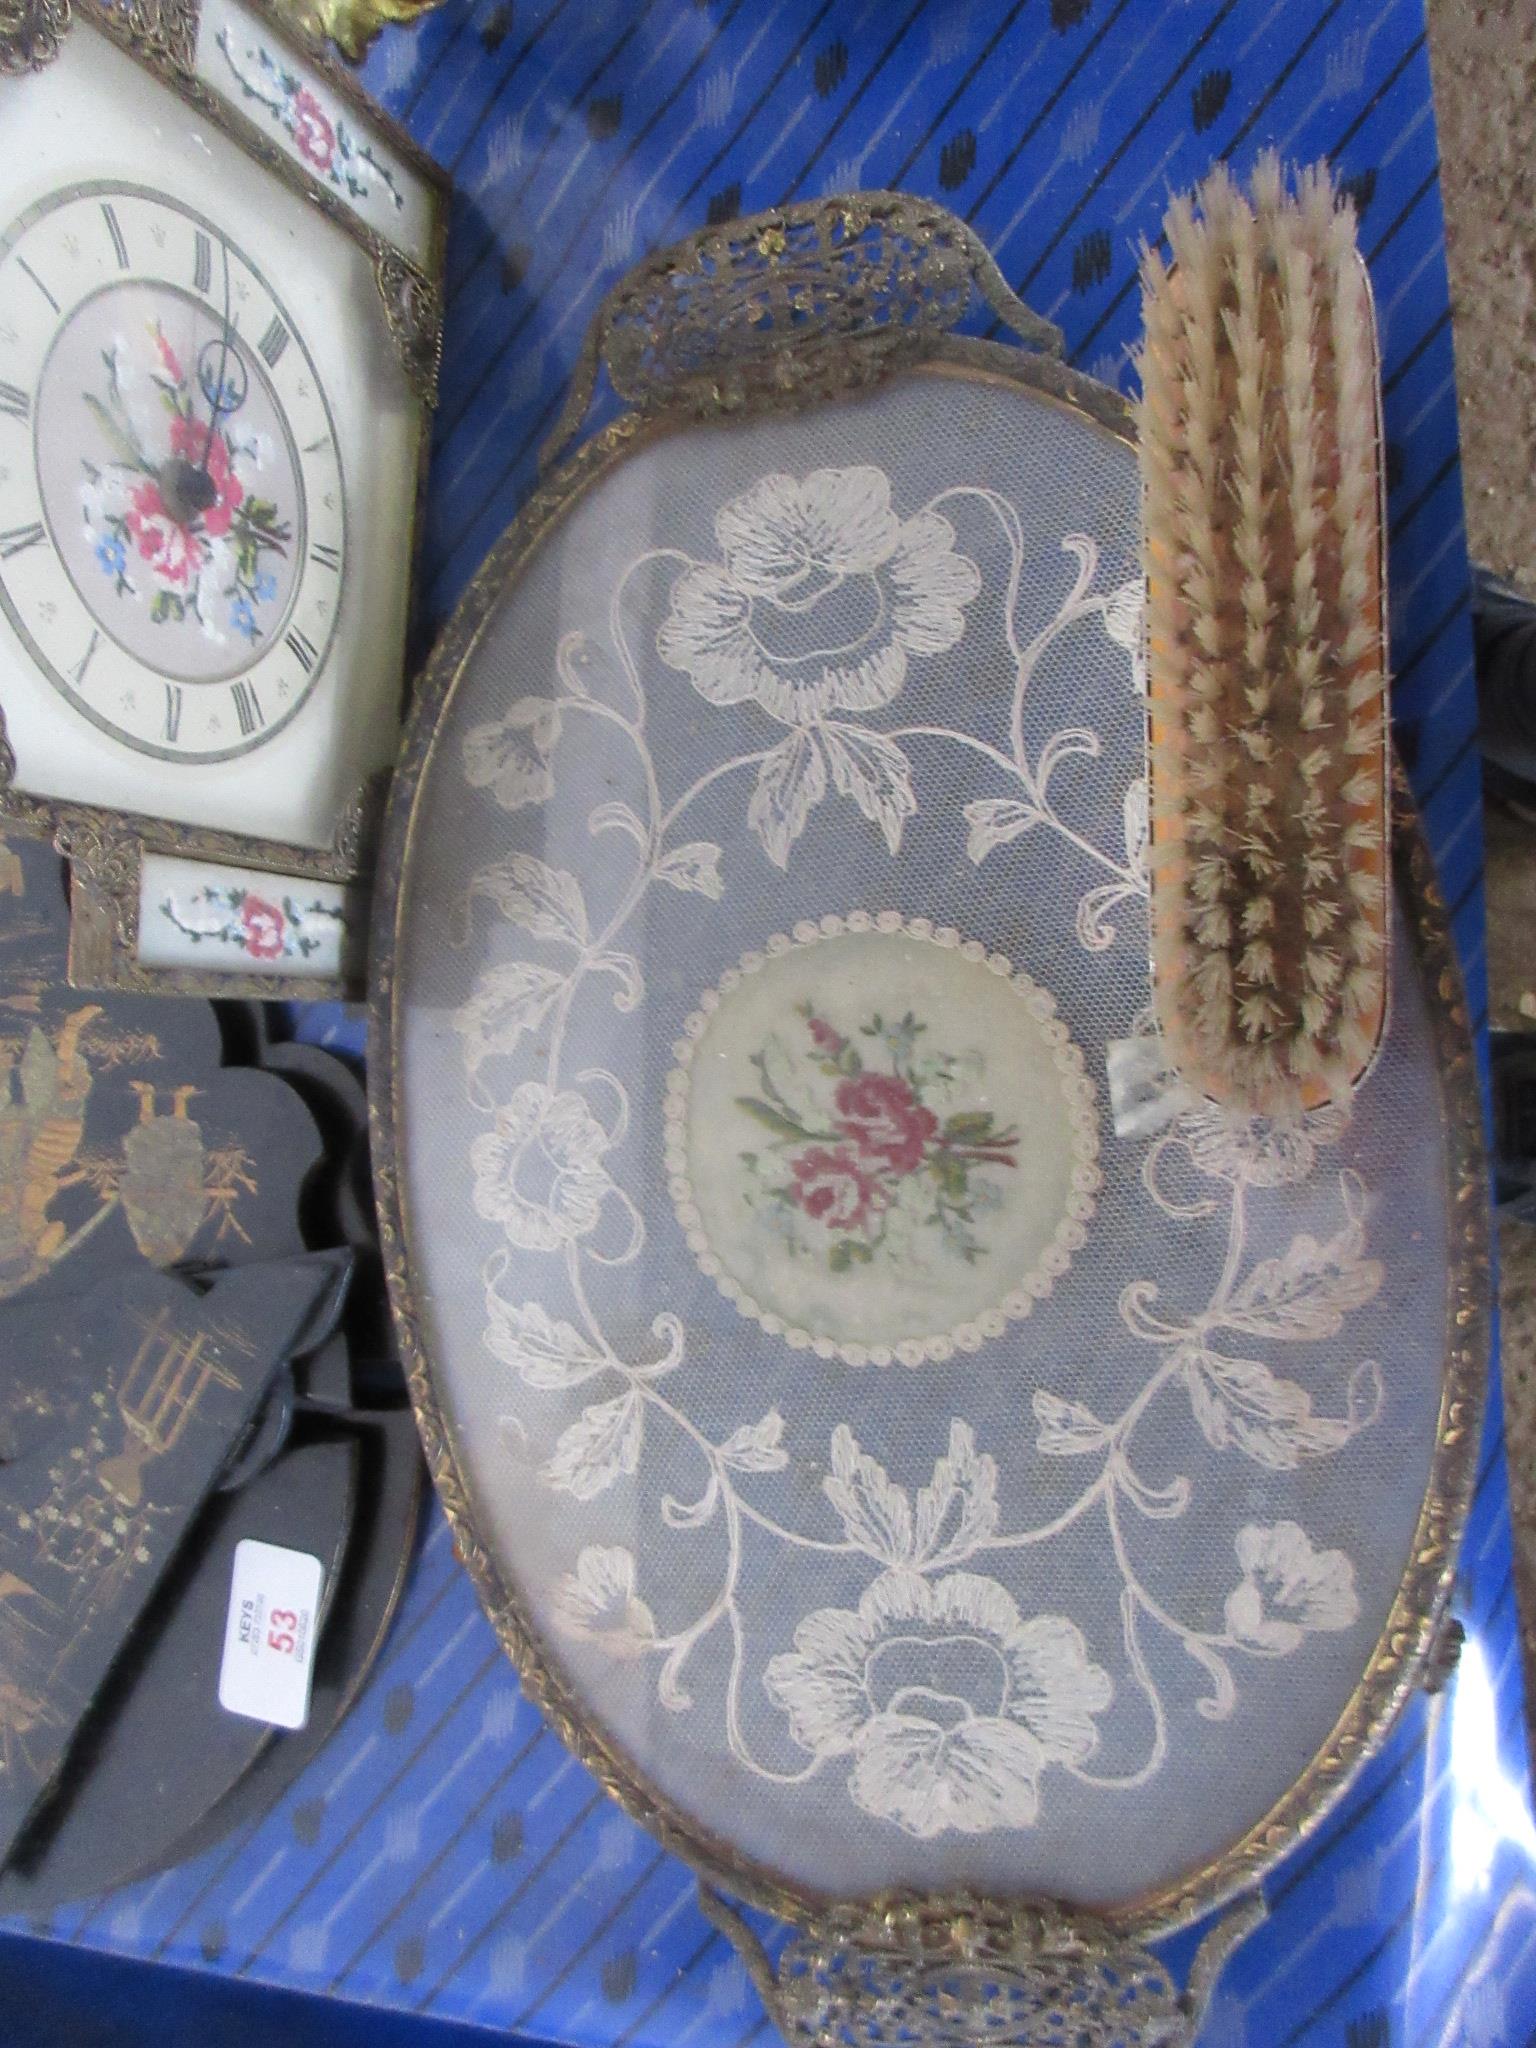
[{"x": 924, "y": 1456}]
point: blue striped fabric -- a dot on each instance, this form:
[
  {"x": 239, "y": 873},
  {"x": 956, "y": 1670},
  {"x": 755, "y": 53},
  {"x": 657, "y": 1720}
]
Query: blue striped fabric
[{"x": 445, "y": 1855}]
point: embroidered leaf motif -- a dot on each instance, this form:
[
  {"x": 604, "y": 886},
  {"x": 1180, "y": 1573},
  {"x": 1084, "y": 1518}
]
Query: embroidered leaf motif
[
  {"x": 971, "y": 1127},
  {"x": 1077, "y": 740},
  {"x": 573, "y": 658},
  {"x": 668, "y": 1330},
  {"x": 1239, "y": 1402},
  {"x": 600, "y": 1445},
  {"x": 1308, "y": 1290},
  {"x": 508, "y": 1001},
  {"x": 545, "y": 901},
  {"x": 510, "y": 756},
  {"x": 117, "y": 437},
  {"x": 546, "y": 1353},
  {"x": 755, "y": 1447},
  {"x": 790, "y": 783},
  {"x": 626, "y": 968},
  {"x": 875, "y": 773},
  {"x": 876, "y": 1514},
  {"x": 615, "y": 817},
  {"x": 1067, "y": 1428},
  {"x": 598, "y": 1601},
  {"x": 1122, "y": 622},
  {"x": 695, "y": 866},
  {"x": 692, "y": 1514},
  {"x": 1094, "y": 931},
  {"x": 772, "y": 1119},
  {"x": 1136, "y": 828},
  {"x": 1157, "y": 1503},
  {"x": 1219, "y": 1704},
  {"x": 957, "y": 1510},
  {"x": 994, "y": 821}
]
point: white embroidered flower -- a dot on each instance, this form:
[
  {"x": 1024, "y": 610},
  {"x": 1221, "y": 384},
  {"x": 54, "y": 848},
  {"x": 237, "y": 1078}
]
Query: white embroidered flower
[
  {"x": 1288, "y": 1589},
  {"x": 539, "y": 1173},
  {"x": 598, "y": 1602},
  {"x": 948, "y": 1703},
  {"x": 510, "y": 756},
  {"x": 1123, "y": 610},
  {"x": 823, "y": 594},
  {"x": 1259, "y": 1151}
]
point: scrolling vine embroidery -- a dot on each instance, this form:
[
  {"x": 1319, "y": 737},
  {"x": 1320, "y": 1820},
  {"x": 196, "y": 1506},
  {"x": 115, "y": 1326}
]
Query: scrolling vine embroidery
[{"x": 823, "y": 597}]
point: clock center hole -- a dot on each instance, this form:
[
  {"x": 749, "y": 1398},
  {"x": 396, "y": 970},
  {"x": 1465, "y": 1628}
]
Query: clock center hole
[{"x": 187, "y": 490}]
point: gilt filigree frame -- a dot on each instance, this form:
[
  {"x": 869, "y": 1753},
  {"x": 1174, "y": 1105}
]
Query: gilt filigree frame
[
  {"x": 106, "y": 848},
  {"x": 939, "y": 1965}
]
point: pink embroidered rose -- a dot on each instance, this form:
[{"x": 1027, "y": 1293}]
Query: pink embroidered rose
[
  {"x": 885, "y": 1120},
  {"x": 263, "y": 923},
  {"x": 833, "y": 1188},
  {"x": 169, "y": 549},
  {"x": 191, "y": 440},
  {"x": 824, "y": 1038},
  {"x": 312, "y": 130}
]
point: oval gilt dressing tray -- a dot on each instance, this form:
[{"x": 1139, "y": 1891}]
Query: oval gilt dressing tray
[{"x": 968, "y": 1495}]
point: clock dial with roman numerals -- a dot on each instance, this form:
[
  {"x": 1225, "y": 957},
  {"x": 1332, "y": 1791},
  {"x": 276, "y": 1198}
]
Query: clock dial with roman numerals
[{"x": 172, "y": 532}]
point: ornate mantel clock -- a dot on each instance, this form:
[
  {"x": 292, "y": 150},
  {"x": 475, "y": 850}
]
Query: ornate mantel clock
[{"x": 219, "y": 331}]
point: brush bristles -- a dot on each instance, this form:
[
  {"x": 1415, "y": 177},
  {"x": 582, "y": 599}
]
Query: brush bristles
[{"x": 1262, "y": 546}]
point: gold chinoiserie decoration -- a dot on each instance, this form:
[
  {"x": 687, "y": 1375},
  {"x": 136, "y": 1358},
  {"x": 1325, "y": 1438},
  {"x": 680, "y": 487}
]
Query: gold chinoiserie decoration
[
  {"x": 43, "y": 1095},
  {"x": 164, "y": 1197},
  {"x": 157, "y": 1399},
  {"x": 166, "y": 1179}
]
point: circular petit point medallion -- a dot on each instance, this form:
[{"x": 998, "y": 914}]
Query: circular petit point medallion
[{"x": 881, "y": 1141}]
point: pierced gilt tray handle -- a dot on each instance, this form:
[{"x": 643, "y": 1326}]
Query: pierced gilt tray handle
[
  {"x": 940, "y": 1973},
  {"x": 802, "y": 302}
]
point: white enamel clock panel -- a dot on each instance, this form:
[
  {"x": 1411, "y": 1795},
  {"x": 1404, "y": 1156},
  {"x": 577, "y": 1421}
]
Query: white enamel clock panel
[{"x": 197, "y": 396}]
